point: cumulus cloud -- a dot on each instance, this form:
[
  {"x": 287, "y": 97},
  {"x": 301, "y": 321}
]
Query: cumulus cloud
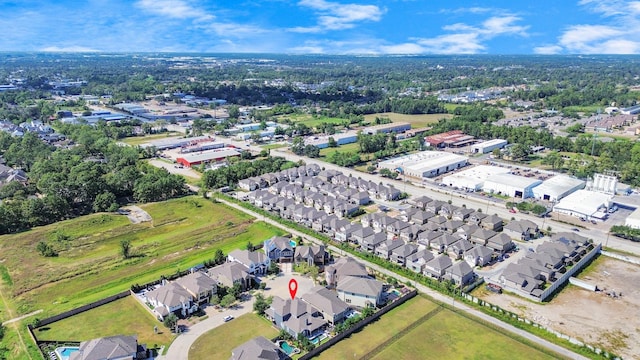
[
  {"x": 177, "y": 9},
  {"x": 470, "y": 39},
  {"x": 619, "y": 34},
  {"x": 336, "y": 16}
]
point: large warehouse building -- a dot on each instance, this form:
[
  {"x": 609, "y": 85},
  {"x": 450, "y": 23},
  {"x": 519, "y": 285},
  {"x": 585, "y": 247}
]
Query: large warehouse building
[
  {"x": 557, "y": 187},
  {"x": 394, "y": 127},
  {"x": 633, "y": 220},
  {"x": 584, "y": 204},
  {"x": 425, "y": 164},
  {"x": 474, "y": 178},
  {"x": 488, "y": 146},
  {"x": 511, "y": 185}
]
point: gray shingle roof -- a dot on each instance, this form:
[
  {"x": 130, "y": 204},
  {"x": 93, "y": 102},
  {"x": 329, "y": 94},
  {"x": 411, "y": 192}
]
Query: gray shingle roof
[{"x": 112, "y": 347}]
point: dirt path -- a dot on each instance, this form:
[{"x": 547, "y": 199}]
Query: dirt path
[
  {"x": 13, "y": 325},
  {"x": 22, "y": 317}
]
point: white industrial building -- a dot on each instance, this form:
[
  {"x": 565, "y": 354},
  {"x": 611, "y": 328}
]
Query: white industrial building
[
  {"x": 322, "y": 142},
  {"x": 426, "y": 163},
  {"x": 557, "y": 187},
  {"x": 584, "y": 204},
  {"x": 488, "y": 146},
  {"x": 474, "y": 178},
  {"x": 633, "y": 220},
  {"x": 511, "y": 185},
  {"x": 603, "y": 183}
]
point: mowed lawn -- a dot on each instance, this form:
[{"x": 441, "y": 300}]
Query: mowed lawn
[
  {"x": 417, "y": 121},
  {"x": 352, "y": 148},
  {"x": 312, "y": 121},
  {"x": 138, "y": 140},
  {"x": 218, "y": 343},
  {"x": 184, "y": 232},
  {"x": 125, "y": 316},
  {"x": 448, "y": 335},
  {"x": 376, "y": 333}
]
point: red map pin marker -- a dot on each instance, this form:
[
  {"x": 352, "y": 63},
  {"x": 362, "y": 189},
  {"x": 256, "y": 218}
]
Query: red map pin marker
[{"x": 293, "y": 288}]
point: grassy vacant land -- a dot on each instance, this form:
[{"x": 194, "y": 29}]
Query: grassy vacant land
[
  {"x": 417, "y": 121},
  {"x": 445, "y": 335},
  {"x": 218, "y": 343},
  {"x": 184, "y": 232},
  {"x": 376, "y": 333},
  {"x": 125, "y": 316},
  {"x": 312, "y": 121},
  {"x": 448, "y": 335},
  {"x": 353, "y": 147},
  {"x": 137, "y": 140}
]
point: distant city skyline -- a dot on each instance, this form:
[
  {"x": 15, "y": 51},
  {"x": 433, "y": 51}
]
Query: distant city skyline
[{"x": 323, "y": 26}]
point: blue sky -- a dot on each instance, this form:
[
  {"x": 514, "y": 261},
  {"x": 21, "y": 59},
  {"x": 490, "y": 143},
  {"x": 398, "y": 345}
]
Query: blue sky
[{"x": 323, "y": 26}]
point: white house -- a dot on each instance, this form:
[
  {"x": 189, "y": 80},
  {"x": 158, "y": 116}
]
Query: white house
[
  {"x": 256, "y": 262},
  {"x": 360, "y": 292}
]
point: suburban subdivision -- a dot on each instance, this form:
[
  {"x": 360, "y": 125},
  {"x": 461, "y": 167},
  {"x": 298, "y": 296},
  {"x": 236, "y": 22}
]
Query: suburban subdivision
[{"x": 273, "y": 207}]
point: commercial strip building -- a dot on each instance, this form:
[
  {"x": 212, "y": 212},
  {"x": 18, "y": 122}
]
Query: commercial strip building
[
  {"x": 557, "y": 188},
  {"x": 585, "y": 204},
  {"x": 204, "y": 157},
  {"x": 425, "y": 164}
]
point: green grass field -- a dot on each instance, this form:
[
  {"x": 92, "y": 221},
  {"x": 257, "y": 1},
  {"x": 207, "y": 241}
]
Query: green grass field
[
  {"x": 353, "y": 147},
  {"x": 448, "y": 335},
  {"x": 312, "y": 121},
  {"x": 367, "y": 339},
  {"x": 126, "y": 316},
  {"x": 137, "y": 140},
  {"x": 218, "y": 343},
  {"x": 417, "y": 121},
  {"x": 184, "y": 232}
]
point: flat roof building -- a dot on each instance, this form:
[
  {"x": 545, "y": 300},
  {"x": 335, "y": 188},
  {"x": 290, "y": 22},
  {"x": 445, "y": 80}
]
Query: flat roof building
[
  {"x": 394, "y": 127},
  {"x": 557, "y": 188},
  {"x": 322, "y": 142},
  {"x": 425, "y": 163},
  {"x": 488, "y": 146},
  {"x": 192, "y": 159},
  {"x": 583, "y": 203},
  {"x": 511, "y": 185},
  {"x": 473, "y": 178},
  {"x": 633, "y": 220}
]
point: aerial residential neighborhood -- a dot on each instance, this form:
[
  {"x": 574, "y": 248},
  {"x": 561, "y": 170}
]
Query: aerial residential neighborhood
[{"x": 370, "y": 190}]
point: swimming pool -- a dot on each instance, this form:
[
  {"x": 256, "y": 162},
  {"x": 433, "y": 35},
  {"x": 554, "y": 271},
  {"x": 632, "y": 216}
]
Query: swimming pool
[
  {"x": 317, "y": 339},
  {"x": 288, "y": 349},
  {"x": 293, "y": 243},
  {"x": 63, "y": 353}
]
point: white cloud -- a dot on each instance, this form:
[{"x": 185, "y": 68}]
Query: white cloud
[
  {"x": 73, "y": 48},
  {"x": 471, "y": 10},
  {"x": 547, "y": 49},
  {"x": 178, "y": 9},
  {"x": 470, "y": 39},
  {"x": 336, "y": 16},
  {"x": 407, "y": 48},
  {"x": 618, "y": 35}
]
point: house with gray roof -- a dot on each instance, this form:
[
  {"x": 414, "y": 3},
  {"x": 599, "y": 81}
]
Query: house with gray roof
[
  {"x": 312, "y": 255},
  {"x": 421, "y": 217},
  {"x": 462, "y": 214},
  {"x": 458, "y": 248},
  {"x": 278, "y": 249},
  {"x": 466, "y": 230},
  {"x": 370, "y": 243},
  {"x": 333, "y": 309},
  {"x": 171, "y": 298},
  {"x": 482, "y": 236},
  {"x": 199, "y": 285},
  {"x": 460, "y": 273},
  {"x": 110, "y": 348},
  {"x": 436, "y": 268},
  {"x": 421, "y": 202},
  {"x": 442, "y": 242},
  {"x": 256, "y": 262},
  {"x": 259, "y": 348},
  {"x": 417, "y": 261},
  {"x": 343, "y": 267},
  {"x": 410, "y": 233},
  {"x": 360, "y": 292},
  {"x": 360, "y": 234},
  {"x": 476, "y": 217},
  {"x": 295, "y": 317},
  {"x": 492, "y": 222},
  {"x": 384, "y": 250},
  {"x": 400, "y": 254},
  {"x": 451, "y": 226},
  {"x": 478, "y": 256},
  {"x": 426, "y": 237},
  {"x": 344, "y": 233},
  {"x": 522, "y": 230},
  {"x": 500, "y": 243},
  {"x": 231, "y": 273}
]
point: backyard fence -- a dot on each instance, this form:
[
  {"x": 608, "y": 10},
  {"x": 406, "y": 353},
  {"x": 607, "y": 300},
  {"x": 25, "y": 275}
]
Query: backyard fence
[{"x": 334, "y": 340}]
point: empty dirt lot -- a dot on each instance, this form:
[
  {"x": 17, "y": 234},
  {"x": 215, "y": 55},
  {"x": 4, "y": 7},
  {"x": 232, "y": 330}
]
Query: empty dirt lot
[{"x": 593, "y": 317}]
